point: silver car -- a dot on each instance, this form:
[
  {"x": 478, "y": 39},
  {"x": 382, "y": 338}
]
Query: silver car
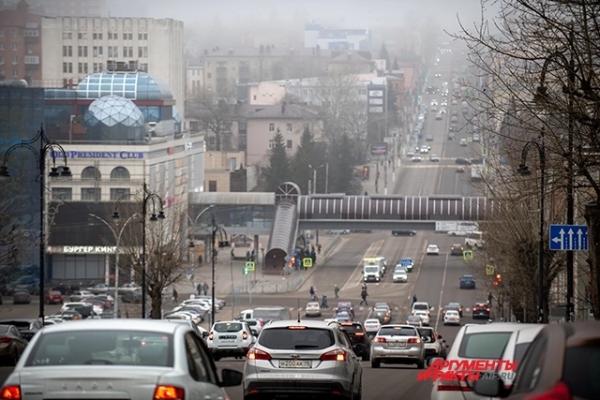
[
  {"x": 118, "y": 359},
  {"x": 302, "y": 358},
  {"x": 397, "y": 344}
]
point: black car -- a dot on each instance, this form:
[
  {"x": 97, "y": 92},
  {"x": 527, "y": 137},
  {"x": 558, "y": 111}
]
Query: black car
[
  {"x": 403, "y": 232},
  {"x": 358, "y": 338},
  {"x": 462, "y": 161},
  {"x": 27, "y": 327},
  {"x": 481, "y": 311},
  {"x": 467, "y": 282},
  {"x": 456, "y": 250}
]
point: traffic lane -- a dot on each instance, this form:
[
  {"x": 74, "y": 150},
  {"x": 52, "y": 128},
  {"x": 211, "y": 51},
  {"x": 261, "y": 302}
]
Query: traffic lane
[{"x": 9, "y": 310}]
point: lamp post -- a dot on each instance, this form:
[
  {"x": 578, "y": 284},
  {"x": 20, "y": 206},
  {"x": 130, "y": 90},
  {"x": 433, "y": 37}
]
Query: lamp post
[
  {"x": 117, "y": 236},
  {"x": 541, "y": 96},
  {"x": 314, "y": 180},
  {"x": 524, "y": 170},
  {"x": 149, "y": 197},
  {"x": 45, "y": 147}
]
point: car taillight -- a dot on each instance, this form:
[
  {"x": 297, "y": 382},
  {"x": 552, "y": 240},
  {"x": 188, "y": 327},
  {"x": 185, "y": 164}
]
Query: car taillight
[
  {"x": 380, "y": 340},
  {"x": 414, "y": 340},
  {"x": 5, "y": 339},
  {"x": 168, "y": 392},
  {"x": 11, "y": 392},
  {"x": 257, "y": 354},
  {"x": 334, "y": 355},
  {"x": 359, "y": 334}
]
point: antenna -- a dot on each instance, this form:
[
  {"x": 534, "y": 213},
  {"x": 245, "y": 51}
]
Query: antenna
[{"x": 298, "y": 309}]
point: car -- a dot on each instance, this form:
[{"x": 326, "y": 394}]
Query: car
[
  {"x": 372, "y": 325},
  {"x": 99, "y": 288},
  {"x": 315, "y": 353},
  {"x": 131, "y": 296},
  {"x": 439, "y": 115},
  {"x": 382, "y": 312},
  {"x": 400, "y": 274},
  {"x": 182, "y": 315},
  {"x": 403, "y": 232},
  {"x": 397, "y": 344},
  {"x": 434, "y": 346},
  {"x": 467, "y": 282},
  {"x": 345, "y": 306},
  {"x": 343, "y": 316},
  {"x": 463, "y": 142},
  {"x": 84, "y": 309},
  {"x": 460, "y": 169},
  {"x": 410, "y": 154},
  {"x": 80, "y": 295},
  {"x": 454, "y": 306},
  {"x": 229, "y": 338},
  {"x": 481, "y": 311},
  {"x": 424, "y": 149},
  {"x": 557, "y": 364},
  {"x": 27, "y": 327},
  {"x": 12, "y": 344},
  {"x": 434, "y": 158},
  {"x": 54, "y": 297},
  {"x": 416, "y": 159},
  {"x": 434, "y": 102},
  {"x": 255, "y": 325},
  {"x": 462, "y": 161},
  {"x": 21, "y": 297},
  {"x": 424, "y": 315},
  {"x": 127, "y": 287},
  {"x": 312, "y": 309},
  {"x": 160, "y": 360},
  {"x": 361, "y": 344},
  {"x": 456, "y": 250},
  {"x": 476, "y": 138},
  {"x": 482, "y": 342},
  {"x": 414, "y": 320},
  {"x": 407, "y": 262},
  {"x": 432, "y": 249},
  {"x": 429, "y": 138},
  {"x": 420, "y": 306},
  {"x": 451, "y": 317}
]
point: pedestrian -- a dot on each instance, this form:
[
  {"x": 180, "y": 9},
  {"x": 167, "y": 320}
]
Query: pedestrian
[
  {"x": 205, "y": 287},
  {"x": 336, "y": 291},
  {"x": 414, "y": 299},
  {"x": 175, "y": 295},
  {"x": 313, "y": 255},
  {"x": 319, "y": 248},
  {"x": 363, "y": 296},
  {"x": 199, "y": 288},
  {"x": 312, "y": 248},
  {"x": 311, "y": 292},
  {"x": 490, "y": 298},
  {"x": 324, "y": 302}
]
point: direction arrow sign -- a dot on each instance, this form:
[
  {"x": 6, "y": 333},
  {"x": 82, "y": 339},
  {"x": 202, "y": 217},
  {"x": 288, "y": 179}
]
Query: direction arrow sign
[{"x": 568, "y": 237}]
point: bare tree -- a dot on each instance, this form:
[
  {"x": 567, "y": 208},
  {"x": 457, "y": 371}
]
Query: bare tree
[
  {"x": 539, "y": 64},
  {"x": 216, "y": 119}
]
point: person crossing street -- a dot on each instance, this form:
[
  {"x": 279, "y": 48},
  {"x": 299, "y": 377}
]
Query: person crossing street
[{"x": 364, "y": 295}]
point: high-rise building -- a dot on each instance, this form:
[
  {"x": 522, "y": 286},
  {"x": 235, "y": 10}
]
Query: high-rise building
[
  {"x": 66, "y": 8},
  {"x": 74, "y": 47}
]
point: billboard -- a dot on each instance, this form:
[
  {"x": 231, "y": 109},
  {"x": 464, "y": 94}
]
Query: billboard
[{"x": 379, "y": 149}]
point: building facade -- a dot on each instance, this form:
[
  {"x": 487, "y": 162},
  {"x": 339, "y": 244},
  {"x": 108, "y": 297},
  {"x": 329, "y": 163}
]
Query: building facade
[
  {"x": 316, "y": 35},
  {"x": 221, "y": 170},
  {"x": 54, "y": 8},
  {"x": 73, "y": 47},
  {"x": 194, "y": 81}
]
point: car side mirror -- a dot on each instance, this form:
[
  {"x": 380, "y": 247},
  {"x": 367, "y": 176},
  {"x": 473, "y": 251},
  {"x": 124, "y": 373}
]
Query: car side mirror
[
  {"x": 230, "y": 377},
  {"x": 490, "y": 385},
  {"x": 204, "y": 335}
]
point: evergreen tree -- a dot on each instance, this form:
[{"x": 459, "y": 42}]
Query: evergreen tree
[
  {"x": 342, "y": 160},
  {"x": 310, "y": 155},
  {"x": 278, "y": 170},
  {"x": 383, "y": 54}
]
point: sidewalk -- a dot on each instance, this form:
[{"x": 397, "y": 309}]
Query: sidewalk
[{"x": 230, "y": 278}]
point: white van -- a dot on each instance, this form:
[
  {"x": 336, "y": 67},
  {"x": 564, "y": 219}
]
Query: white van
[{"x": 372, "y": 273}]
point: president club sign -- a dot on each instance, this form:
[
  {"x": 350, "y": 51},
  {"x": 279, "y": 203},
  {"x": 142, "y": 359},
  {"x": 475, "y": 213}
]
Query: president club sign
[{"x": 115, "y": 155}]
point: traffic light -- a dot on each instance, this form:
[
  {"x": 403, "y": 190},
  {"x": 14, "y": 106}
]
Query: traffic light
[{"x": 498, "y": 280}]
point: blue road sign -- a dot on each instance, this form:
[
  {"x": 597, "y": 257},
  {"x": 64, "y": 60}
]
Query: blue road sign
[{"x": 568, "y": 237}]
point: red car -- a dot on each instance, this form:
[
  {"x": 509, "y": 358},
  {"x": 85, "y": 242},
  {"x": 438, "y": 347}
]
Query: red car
[
  {"x": 481, "y": 310},
  {"x": 55, "y": 297}
]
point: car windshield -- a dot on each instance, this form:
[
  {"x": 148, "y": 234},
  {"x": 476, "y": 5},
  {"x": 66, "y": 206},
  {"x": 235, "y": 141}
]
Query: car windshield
[
  {"x": 351, "y": 328},
  {"x": 227, "y": 327},
  {"x": 275, "y": 314},
  {"x": 372, "y": 269},
  {"x": 102, "y": 347},
  {"x": 426, "y": 332},
  {"x": 397, "y": 331},
  {"x": 487, "y": 345},
  {"x": 418, "y": 306},
  {"x": 296, "y": 338}
]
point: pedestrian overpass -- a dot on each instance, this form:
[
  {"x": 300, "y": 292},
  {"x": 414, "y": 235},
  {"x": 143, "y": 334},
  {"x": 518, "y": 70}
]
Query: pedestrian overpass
[{"x": 290, "y": 212}]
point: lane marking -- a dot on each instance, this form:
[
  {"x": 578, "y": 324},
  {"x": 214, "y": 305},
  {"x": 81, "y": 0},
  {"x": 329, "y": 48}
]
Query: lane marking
[{"x": 437, "y": 319}]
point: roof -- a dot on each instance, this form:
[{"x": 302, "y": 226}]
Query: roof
[
  {"x": 496, "y": 327},
  {"x": 303, "y": 322},
  {"x": 153, "y": 325},
  {"x": 280, "y": 111}
]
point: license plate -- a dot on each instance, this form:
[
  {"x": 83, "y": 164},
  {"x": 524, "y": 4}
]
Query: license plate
[
  {"x": 294, "y": 364},
  {"x": 397, "y": 344}
]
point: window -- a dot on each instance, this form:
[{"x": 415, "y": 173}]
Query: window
[
  {"x": 288, "y": 127},
  {"x": 127, "y": 51},
  {"x": 91, "y": 173},
  {"x": 212, "y": 186},
  {"x": 112, "y": 51},
  {"x": 484, "y": 345},
  {"x": 288, "y": 144},
  {"x": 1, "y": 46},
  {"x": 143, "y": 52},
  {"x": 531, "y": 368},
  {"x": 97, "y": 51},
  {"x": 142, "y": 36},
  {"x": 15, "y": 60},
  {"x": 82, "y": 35},
  {"x": 67, "y": 67},
  {"x": 65, "y": 194},
  {"x": 97, "y": 36},
  {"x": 143, "y": 67},
  {"x": 119, "y": 173},
  {"x": 67, "y": 51},
  {"x": 290, "y": 339},
  {"x": 271, "y": 127},
  {"x": 198, "y": 366},
  {"x": 90, "y": 194},
  {"x": 1, "y": 60},
  {"x": 128, "y": 36},
  {"x": 117, "y": 194},
  {"x": 113, "y": 36},
  {"x": 82, "y": 68},
  {"x": 82, "y": 51},
  {"x": 67, "y": 35}
]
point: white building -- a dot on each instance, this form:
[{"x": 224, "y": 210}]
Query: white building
[
  {"x": 73, "y": 47},
  {"x": 194, "y": 81},
  {"x": 336, "y": 39}
]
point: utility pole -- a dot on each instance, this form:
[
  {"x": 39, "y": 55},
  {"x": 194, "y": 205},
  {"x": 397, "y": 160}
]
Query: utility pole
[{"x": 569, "y": 312}]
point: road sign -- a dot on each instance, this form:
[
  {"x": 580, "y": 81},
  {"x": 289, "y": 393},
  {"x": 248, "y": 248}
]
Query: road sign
[
  {"x": 467, "y": 255},
  {"x": 307, "y": 262},
  {"x": 250, "y": 266},
  {"x": 568, "y": 237},
  {"x": 489, "y": 270}
]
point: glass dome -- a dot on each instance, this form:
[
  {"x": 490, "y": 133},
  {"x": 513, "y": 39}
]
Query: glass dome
[
  {"x": 113, "y": 110},
  {"x": 131, "y": 85}
]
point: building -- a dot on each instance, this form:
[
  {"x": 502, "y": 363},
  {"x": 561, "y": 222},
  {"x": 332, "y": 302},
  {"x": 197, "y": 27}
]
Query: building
[
  {"x": 316, "y": 36},
  {"x": 70, "y": 8},
  {"x": 20, "y": 44},
  {"x": 224, "y": 171},
  {"x": 73, "y": 47},
  {"x": 194, "y": 81}
]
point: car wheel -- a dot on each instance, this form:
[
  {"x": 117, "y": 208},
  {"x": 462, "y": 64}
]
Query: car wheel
[
  {"x": 420, "y": 364},
  {"x": 375, "y": 363}
]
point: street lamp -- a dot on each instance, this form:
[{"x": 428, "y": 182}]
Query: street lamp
[
  {"x": 524, "y": 170},
  {"x": 45, "y": 147},
  {"x": 541, "y": 96},
  {"x": 314, "y": 170},
  {"x": 117, "y": 236},
  {"x": 149, "y": 197}
]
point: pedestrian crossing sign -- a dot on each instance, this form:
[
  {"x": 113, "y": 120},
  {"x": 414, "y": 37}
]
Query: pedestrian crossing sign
[
  {"x": 307, "y": 262},
  {"x": 489, "y": 270},
  {"x": 250, "y": 266},
  {"x": 467, "y": 255}
]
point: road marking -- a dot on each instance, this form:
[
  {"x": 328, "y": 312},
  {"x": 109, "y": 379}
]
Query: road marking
[
  {"x": 437, "y": 319},
  {"x": 354, "y": 279}
]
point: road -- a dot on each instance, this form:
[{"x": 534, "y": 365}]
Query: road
[{"x": 434, "y": 279}]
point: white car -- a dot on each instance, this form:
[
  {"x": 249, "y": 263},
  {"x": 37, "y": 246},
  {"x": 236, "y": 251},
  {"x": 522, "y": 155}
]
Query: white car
[
  {"x": 451, "y": 317},
  {"x": 434, "y": 158},
  {"x": 433, "y": 249},
  {"x": 424, "y": 149},
  {"x": 424, "y": 315},
  {"x": 372, "y": 325},
  {"x": 400, "y": 274},
  {"x": 229, "y": 338},
  {"x": 416, "y": 159},
  {"x": 312, "y": 309},
  {"x": 420, "y": 306}
]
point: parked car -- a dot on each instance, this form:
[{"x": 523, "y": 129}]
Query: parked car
[
  {"x": 229, "y": 338},
  {"x": 12, "y": 344},
  {"x": 131, "y": 296},
  {"x": 143, "y": 359},
  {"x": 361, "y": 344},
  {"x": 99, "y": 288},
  {"x": 319, "y": 358},
  {"x": 21, "y": 297},
  {"x": 397, "y": 344},
  {"x": 27, "y": 327},
  {"x": 312, "y": 309},
  {"x": 467, "y": 282}
]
